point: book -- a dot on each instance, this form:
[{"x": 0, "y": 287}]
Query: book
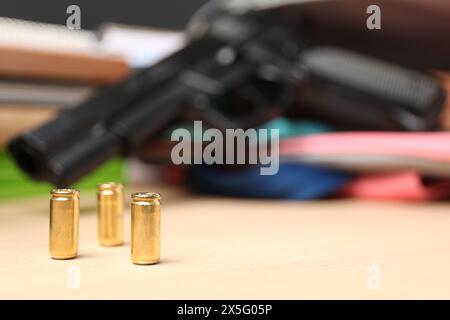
[
  {"x": 140, "y": 46},
  {"x": 33, "y": 50},
  {"x": 15, "y": 184},
  {"x": 42, "y": 93}
]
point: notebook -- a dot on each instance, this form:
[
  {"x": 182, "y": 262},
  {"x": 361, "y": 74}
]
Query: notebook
[
  {"x": 40, "y": 51},
  {"x": 38, "y": 93}
]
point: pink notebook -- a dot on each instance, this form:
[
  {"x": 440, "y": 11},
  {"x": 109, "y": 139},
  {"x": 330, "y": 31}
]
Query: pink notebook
[{"x": 426, "y": 145}]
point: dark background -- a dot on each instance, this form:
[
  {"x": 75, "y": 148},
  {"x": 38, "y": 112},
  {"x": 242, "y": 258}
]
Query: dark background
[
  {"x": 414, "y": 33},
  {"x": 171, "y": 14}
]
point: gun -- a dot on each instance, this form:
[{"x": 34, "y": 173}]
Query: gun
[{"x": 237, "y": 71}]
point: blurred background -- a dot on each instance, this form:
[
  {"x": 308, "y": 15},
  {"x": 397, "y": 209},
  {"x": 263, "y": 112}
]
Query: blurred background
[
  {"x": 46, "y": 68},
  {"x": 170, "y": 14},
  {"x": 167, "y": 15}
]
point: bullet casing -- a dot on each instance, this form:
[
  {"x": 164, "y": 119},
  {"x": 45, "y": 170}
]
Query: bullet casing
[
  {"x": 110, "y": 214},
  {"x": 145, "y": 228},
  {"x": 64, "y": 220}
]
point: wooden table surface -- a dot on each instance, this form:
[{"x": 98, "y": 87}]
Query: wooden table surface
[{"x": 238, "y": 249}]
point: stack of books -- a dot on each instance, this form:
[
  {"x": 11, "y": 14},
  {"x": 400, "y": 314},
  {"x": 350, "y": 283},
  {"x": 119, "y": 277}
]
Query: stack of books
[{"x": 44, "y": 69}]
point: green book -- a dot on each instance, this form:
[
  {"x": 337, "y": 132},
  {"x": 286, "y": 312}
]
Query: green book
[{"x": 15, "y": 184}]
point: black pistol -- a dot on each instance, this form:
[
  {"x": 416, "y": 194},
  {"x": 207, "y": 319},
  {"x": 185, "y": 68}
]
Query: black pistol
[{"x": 238, "y": 70}]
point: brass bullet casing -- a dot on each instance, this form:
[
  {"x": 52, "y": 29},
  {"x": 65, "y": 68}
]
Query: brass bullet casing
[
  {"x": 64, "y": 219},
  {"x": 145, "y": 228},
  {"x": 110, "y": 214}
]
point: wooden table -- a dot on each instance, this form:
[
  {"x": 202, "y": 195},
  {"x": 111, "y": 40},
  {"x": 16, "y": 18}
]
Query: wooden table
[{"x": 239, "y": 249}]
